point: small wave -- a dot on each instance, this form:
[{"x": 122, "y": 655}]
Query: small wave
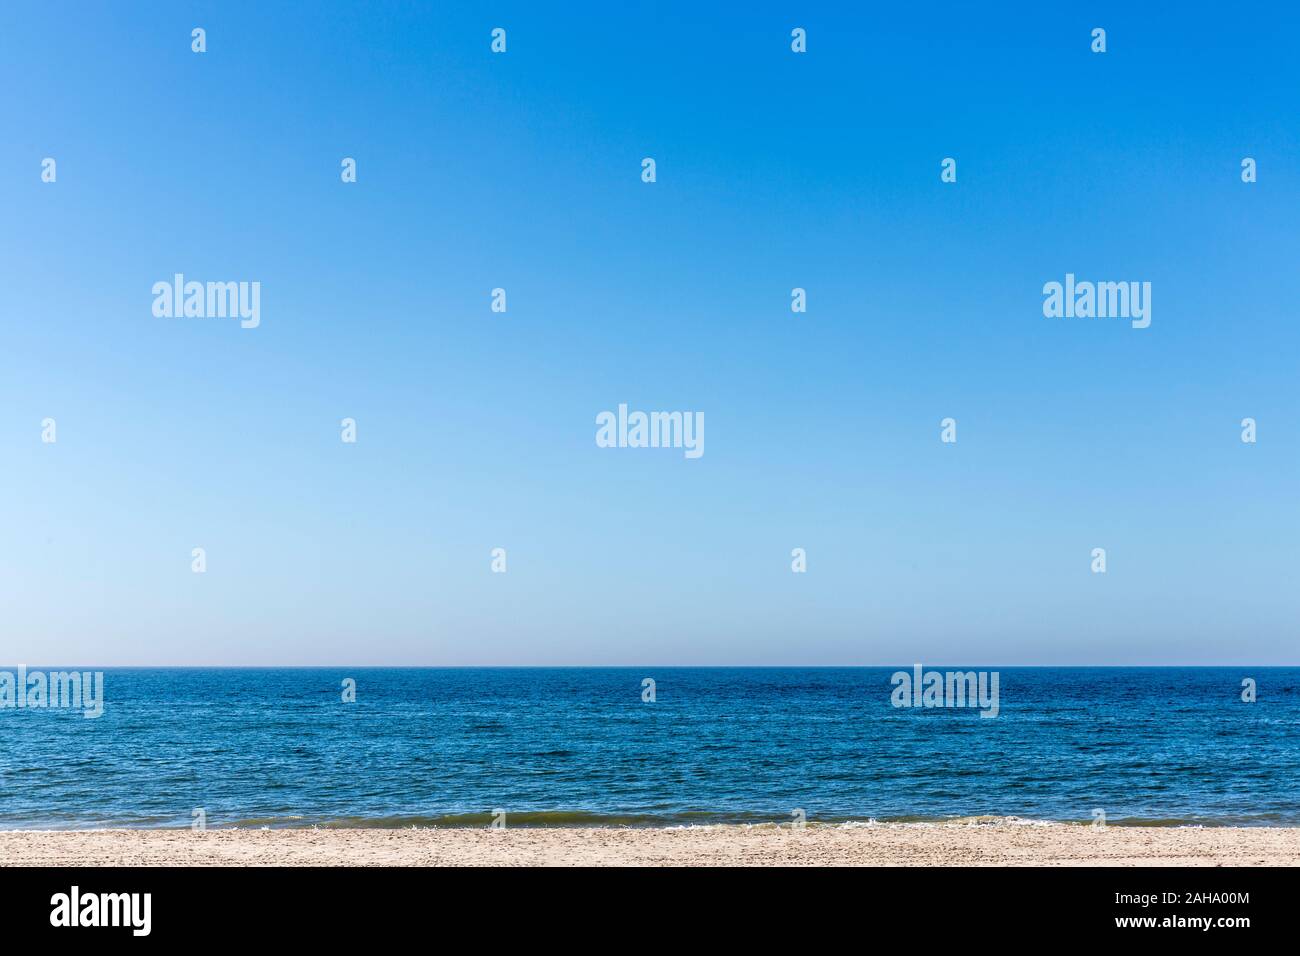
[{"x": 660, "y": 819}]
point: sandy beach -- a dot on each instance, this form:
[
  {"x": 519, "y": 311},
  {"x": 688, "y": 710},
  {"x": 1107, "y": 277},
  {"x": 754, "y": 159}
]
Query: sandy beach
[{"x": 989, "y": 844}]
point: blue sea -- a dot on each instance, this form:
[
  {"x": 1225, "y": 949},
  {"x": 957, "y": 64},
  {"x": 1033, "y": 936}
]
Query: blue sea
[{"x": 568, "y": 746}]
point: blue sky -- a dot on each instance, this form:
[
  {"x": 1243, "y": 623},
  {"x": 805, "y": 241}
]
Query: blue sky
[{"x": 476, "y": 430}]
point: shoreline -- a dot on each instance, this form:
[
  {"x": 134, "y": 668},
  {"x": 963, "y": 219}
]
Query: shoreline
[
  {"x": 1022, "y": 843},
  {"x": 562, "y": 820}
]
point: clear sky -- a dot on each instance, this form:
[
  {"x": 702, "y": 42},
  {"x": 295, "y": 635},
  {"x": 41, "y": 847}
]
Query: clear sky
[{"x": 476, "y": 430}]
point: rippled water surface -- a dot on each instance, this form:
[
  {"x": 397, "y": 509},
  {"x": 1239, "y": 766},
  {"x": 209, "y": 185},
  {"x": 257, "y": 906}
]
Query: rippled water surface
[{"x": 570, "y": 745}]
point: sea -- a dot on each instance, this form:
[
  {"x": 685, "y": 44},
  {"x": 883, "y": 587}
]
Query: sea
[{"x": 653, "y": 746}]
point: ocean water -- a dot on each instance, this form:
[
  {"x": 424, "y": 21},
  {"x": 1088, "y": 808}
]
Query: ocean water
[{"x": 279, "y": 747}]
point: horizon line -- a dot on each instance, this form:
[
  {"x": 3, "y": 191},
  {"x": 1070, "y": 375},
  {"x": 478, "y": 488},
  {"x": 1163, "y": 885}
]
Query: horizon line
[{"x": 627, "y": 666}]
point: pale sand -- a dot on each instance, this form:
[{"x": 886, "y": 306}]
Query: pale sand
[{"x": 1000, "y": 844}]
